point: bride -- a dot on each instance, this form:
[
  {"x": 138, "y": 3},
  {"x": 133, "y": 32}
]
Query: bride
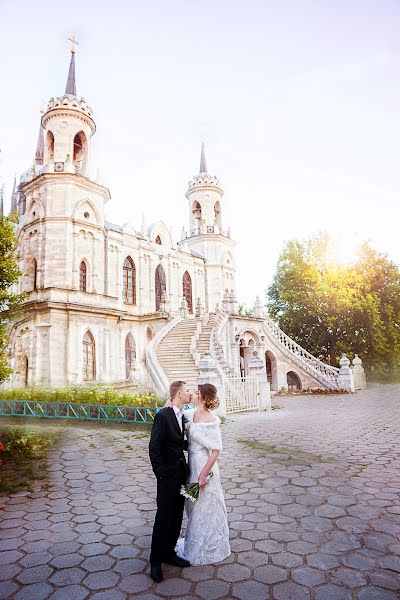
[{"x": 207, "y": 534}]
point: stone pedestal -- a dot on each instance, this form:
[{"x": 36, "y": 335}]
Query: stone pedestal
[
  {"x": 345, "y": 379},
  {"x": 208, "y": 373},
  {"x": 256, "y": 369},
  {"x": 360, "y": 380}
]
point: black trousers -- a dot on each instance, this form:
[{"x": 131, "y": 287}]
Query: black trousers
[{"x": 168, "y": 521}]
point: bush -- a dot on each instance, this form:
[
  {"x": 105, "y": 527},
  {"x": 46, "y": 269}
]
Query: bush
[{"x": 99, "y": 394}]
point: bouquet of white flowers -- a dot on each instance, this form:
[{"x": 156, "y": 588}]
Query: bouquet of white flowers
[{"x": 191, "y": 490}]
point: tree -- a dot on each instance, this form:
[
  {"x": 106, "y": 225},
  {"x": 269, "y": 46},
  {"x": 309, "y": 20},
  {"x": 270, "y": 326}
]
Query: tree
[
  {"x": 9, "y": 300},
  {"x": 329, "y": 307}
]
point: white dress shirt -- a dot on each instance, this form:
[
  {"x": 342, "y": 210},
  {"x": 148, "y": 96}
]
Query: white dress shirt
[{"x": 178, "y": 414}]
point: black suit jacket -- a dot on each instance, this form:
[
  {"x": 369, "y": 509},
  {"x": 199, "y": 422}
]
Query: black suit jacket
[{"x": 167, "y": 443}]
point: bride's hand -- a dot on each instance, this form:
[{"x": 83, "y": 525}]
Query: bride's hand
[
  {"x": 202, "y": 480},
  {"x": 168, "y": 404}
]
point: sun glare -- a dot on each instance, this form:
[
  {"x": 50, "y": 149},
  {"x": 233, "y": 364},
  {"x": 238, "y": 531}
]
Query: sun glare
[{"x": 343, "y": 251}]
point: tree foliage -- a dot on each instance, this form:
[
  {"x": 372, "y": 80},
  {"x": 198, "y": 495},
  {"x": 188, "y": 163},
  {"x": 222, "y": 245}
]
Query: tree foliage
[
  {"x": 330, "y": 307},
  {"x": 9, "y": 275}
]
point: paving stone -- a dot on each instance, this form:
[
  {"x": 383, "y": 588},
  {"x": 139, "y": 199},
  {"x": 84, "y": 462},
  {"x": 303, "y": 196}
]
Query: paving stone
[
  {"x": 37, "y": 591},
  {"x": 10, "y": 556},
  {"x": 332, "y": 592},
  {"x": 93, "y": 549},
  {"x": 349, "y": 578},
  {"x": 233, "y": 573},
  {"x": 9, "y": 571},
  {"x": 198, "y": 573},
  {"x": 376, "y": 593},
  {"x": 308, "y": 576},
  {"x": 70, "y": 592},
  {"x": 252, "y": 559},
  {"x": 134, "y": 584},
  {"x": 270, "y": 574},
  {"x": 8, "y": 589},
  {"x": 322, "y": 561},
  {"x": 117, "y": 595},
  {"x": 269, "y": 546},
  {"x": 101, "y": 580},
  {"x": 68, "y": 576},
  {"x": 290, "y": 591},
  {"x": 212, "y": 589},
  {"x": 385, "y": 579},
  {"x": 129, "y": 566},
  {"x": 65, "y": 561},
  {"x": 97, "y": 563},
  {"x": 250, "y": 589},
  {"x": 302, "y": 547},
  {"x": 124, "y": 552},
  {"x": 34, "y": 575},
  {"x": 390, "y": 562}
]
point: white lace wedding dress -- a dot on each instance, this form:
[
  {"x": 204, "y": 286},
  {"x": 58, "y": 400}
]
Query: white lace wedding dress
[{"x": 207, "y": 534}]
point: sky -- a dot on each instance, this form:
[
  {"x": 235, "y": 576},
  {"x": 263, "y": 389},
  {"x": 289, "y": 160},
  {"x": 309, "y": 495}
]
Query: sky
[{"x": 298, "y": 102}]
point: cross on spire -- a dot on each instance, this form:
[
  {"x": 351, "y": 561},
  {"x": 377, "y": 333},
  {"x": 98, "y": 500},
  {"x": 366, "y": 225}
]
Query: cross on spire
[
  {"x": 71, "y": 83},
  {"x": 74, "y": 43}
]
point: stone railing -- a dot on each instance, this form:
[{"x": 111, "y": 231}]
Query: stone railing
[
  {"x": 325, "y": 373},
  {"x": 216, "y": 348},
  {"x": 204, "y": 229},
  {"x": 156, "y": 371}
]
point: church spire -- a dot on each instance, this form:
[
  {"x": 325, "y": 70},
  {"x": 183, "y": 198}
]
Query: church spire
[
  {"x": 203, "y": 164},
  {"x": 40, "y": 146},
  {"x": 14, "y": 197},
  {"x": 71, "y": 83}
]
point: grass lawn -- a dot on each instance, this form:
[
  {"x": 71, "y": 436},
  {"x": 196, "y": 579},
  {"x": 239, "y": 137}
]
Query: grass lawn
[{"x": 23, "y": 455}]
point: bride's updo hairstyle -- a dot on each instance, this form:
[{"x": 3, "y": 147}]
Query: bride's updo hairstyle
[{"x": 208, "y": 393}]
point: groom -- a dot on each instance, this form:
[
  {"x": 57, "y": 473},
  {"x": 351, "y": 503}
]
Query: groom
[{"x": 171, "y": 470}]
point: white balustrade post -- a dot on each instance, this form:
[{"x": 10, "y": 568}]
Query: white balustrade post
[
  {"x": 257, "y": 369},
  {"x": 360, "y": 380},
  {"x": 208, "y": 373},
  {"x": 345, "y": 377}
]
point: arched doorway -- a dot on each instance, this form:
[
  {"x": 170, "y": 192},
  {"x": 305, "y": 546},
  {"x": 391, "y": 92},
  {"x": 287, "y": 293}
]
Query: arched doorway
[
  {"x": 89, "y": 357},
  {"x": 160, "y": 285},
  {"x": 293, "y": 382},
  {"x": 187, "y": 290},
  {"x": 130, "y": 355},
  {"x": 271, "y": 369}
]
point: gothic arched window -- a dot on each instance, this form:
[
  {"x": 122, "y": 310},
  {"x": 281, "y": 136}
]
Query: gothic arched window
[
  {"x": 83, "y": 277},
  {"x": 89, "y": 357},
  {"x": 158, "y": 241},
  {"x": 130, "y": 355},
  {"x": 187, "y": 290},
  {"x": 129, "y": 284},
  {"x": 160, "y": 285}
]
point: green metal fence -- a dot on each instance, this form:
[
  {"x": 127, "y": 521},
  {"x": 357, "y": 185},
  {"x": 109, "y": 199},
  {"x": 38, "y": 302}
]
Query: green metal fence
[{"x": 74, "y": 410}]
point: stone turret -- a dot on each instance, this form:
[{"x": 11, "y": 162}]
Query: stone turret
[
  {"x": 68, "y": 128},
  {"x": 204, "y": 194}
]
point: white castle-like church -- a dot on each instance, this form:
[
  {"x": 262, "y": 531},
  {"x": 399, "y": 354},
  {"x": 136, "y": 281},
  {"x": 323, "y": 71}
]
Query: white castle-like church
[{"x": 111, "y": 304}]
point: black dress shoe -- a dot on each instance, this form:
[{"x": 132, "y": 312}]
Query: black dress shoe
[
  {"x": 156, "y": 573},
  {"x": 176, "y": 560}
]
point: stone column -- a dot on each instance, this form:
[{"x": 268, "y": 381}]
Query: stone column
[
  {"x": 360, "y": 381},
  {"x": 208, "y": 373},
  {"x": 345, "y": 379},
  {"x": 75, "y": 269},
  {"x": 256, "y": 369}
]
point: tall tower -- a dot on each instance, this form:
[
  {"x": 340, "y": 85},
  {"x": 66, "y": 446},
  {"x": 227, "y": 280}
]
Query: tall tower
[
  {"x": 207, "y": 235},
  {"x": 68, "y": 128}
]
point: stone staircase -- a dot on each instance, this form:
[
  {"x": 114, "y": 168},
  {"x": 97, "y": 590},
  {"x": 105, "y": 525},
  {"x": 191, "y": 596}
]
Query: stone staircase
[{"x": 173, "y": 353}]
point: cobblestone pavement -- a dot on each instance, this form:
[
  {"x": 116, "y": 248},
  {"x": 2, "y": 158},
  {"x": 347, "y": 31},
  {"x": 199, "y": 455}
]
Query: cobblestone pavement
[{"x": 312, "y": 490}]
